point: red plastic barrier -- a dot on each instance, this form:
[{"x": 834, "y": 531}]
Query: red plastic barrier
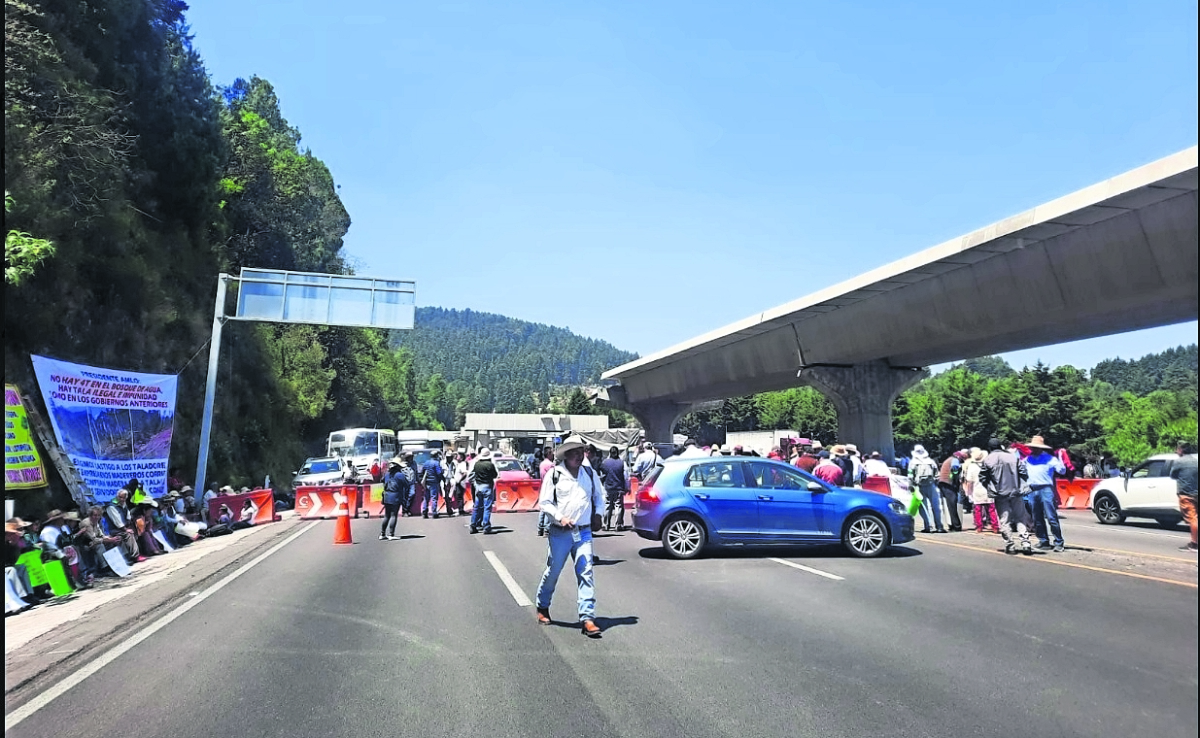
[
  {"x": 1074, "y": 494},
  {"x": 319, "y": 502},
  {"x": 880, "y": 484},
  {"x": 264, "y": 498}
]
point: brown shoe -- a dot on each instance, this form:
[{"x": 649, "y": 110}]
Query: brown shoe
[
  {"x": 543, "y": 616},
  {"x": 590, "y": 629}
]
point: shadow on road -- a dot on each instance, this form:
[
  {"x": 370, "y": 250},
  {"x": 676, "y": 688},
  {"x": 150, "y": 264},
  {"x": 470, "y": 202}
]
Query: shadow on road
[
  {"x": 604, "y": 623},
  {"x": 766, "y": 551},
  {"x": 606, "y": 562}
]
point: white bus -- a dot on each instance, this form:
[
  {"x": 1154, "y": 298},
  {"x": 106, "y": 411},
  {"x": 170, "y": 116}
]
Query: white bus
[{"x": 363, "y": 448}]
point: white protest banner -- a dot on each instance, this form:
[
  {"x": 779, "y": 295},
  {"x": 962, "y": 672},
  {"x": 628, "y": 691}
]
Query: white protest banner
[{"x": 114, "y": 425}]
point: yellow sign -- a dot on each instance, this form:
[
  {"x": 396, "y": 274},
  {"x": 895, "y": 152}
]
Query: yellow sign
[{"x": 22, "y": 463}]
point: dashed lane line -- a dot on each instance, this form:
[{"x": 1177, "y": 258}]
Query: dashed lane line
[
  {"x": 18, "y": 715},
  {"x": 809, "y": 569},
  {"x": 513, "y": 588},
  {"x": 1043, "y": 560}
]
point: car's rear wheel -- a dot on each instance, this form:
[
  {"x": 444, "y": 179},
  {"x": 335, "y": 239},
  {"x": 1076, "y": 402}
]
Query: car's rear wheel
[
  {"x": 683, "y": 537},
  {"x": 865, "y": 536},
  {"x": 1107, "y": 510}
]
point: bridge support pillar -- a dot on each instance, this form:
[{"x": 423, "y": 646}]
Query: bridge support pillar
[
  {"x": 863, "y": 395},
  {"x": 658, "y": 419}
]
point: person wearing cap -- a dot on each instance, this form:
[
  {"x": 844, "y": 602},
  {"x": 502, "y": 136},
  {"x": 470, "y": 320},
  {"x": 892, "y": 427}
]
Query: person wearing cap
[
  {"x": 875, "y": 466},
  {"x": 1043, "y": 467},
  {"x": 483, "y": 490},
  {"x": 572, "y": 496},
  {"x": 432, "y": 477},
  {"x": 923, "y": 471},
  {"x": 826, "y": 470},
  {"x": 646, "y": 461},
  {"x": 395, "y": 492},
  {"x": 1003, "y": 473},
  {"x": 841, "y": 457},
  {"x": 808, "y": 459}
]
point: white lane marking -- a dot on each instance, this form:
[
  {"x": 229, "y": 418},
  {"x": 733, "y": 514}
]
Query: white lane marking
[
  {"x": 809, "y": 569},
  {"x": 513, "y": 588},
  {"x": 15, "y": 717}
]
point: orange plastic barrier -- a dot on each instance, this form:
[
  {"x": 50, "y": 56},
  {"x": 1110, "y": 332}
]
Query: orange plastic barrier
[
  {"x": 519, "y": 495},
  {"x": 880, "y": 484},
  {"x": 264, "y": 498},
  {"x": 314, "y": 503},
  {"x": 1074, "y": 494},
  {"x": 370, "y": 502}
]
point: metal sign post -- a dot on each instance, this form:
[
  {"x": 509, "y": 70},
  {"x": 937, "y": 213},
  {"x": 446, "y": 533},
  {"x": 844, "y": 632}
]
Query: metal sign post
[{"x": 277, "y": 296}]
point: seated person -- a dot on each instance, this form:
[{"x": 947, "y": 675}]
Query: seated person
[
  {"x": 119, "y": 522},
  {"x": 93, "y": 540},
  {"x": 143, "y": 521},
  {"x": 246, "y": 518}
]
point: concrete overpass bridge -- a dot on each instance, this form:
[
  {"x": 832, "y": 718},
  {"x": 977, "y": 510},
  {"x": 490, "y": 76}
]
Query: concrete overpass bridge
[{"x": 1117, "y": 256}]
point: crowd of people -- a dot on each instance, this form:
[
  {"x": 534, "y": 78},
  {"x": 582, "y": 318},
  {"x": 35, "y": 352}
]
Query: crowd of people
[{"x": 99, "y": 540}]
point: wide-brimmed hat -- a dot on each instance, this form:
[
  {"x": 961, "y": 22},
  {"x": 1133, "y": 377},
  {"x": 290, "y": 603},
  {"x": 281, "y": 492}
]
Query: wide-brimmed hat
[
  {"x": 1038, "y": 442},
  {"x": 14, "y": 525},
  {"x": 395, "y": 461},
  {"x": 977, "y": 454},
  {"x": 54, "y": 515},
  {"x": 839, "y": 450},
  {"x": 186, "y": 489},
  {"x": 817, "y": 445},
  {"x": 569, "y": 445},
  {"x": 484, "y": 453},
  {"x": 851, "y": 449},
  {"x": 919, "y": 452},
  {"x": 71, "y": 516}
]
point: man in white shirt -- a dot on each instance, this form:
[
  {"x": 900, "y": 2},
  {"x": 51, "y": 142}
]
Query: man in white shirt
[
  {"x": 876, "y": 467},
  {"x": 646, "y": 461},
  {"x": 571, "y": 497},
  {"x": 691, "y": 449}
]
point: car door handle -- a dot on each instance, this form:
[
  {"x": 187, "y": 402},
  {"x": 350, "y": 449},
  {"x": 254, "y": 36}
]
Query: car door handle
[
  {"x": 701, "y": 497},
  {"x": 765, "y": 497}
]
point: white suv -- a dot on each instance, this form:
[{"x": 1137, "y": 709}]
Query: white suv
[{"x": 1146, "y": 491}]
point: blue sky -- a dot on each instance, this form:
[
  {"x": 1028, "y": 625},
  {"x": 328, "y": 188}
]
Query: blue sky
[{"x": 694, "y": 163}]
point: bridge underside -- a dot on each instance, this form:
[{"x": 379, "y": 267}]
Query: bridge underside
[{"x": 1115, "y": 257}]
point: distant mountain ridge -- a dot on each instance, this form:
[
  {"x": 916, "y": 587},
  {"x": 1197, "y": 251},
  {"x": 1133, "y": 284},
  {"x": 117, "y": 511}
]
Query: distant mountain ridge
[{"x": 495, "y": 363}]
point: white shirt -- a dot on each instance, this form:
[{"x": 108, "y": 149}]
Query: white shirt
[
  {"x": 50, "y": 534},
  {"x": 576, "y": 503},
  {"x": 645, "y": 462},
  {"x": 877, "y": 468},
  {"x": 692, "y": 451},
  {"x": 248, "y": 513}
]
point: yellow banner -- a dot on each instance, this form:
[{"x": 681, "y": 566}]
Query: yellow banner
[{"x": 22, "y": 463}]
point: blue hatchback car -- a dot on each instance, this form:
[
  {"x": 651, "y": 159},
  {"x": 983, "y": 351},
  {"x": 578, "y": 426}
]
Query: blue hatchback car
[{"x": 689, "y": 503}]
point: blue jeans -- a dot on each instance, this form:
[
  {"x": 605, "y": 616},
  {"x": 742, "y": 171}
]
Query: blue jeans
[
  {"x": 481, "y": 509},
  {"x": 929, "y": 490},
  {"x": 561, "y": 544},
  {"x": 430, "y": 505},
  {"x": 1044, "y": 503}
]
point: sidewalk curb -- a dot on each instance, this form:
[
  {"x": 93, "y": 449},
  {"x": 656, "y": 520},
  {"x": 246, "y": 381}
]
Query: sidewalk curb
[{"x": 101, "y": 640}]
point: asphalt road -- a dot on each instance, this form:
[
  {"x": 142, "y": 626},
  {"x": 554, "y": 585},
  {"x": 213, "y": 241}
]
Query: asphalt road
[{"x": 944, "y": 637}]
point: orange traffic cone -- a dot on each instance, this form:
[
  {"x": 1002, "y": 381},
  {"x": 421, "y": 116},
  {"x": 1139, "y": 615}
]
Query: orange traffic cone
[{"x": 341, "y": 531}]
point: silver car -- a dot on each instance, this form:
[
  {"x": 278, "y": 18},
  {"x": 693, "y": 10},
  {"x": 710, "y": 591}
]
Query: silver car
[{"x": 321, "y": 470}]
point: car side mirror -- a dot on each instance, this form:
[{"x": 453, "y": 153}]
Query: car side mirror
[{"x": 817, "y": 487}]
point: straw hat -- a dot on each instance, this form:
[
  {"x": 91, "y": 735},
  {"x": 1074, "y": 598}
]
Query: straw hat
[
  {"x": 839, "y": 450},
  {"x": 569, "y": 445},
  {"x": 484, "y": 453},
  {"x": 1038, "y": 442}
]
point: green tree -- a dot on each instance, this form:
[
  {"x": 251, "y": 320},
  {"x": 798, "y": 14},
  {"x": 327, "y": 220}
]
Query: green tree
[{"x": 577, "y": 404}]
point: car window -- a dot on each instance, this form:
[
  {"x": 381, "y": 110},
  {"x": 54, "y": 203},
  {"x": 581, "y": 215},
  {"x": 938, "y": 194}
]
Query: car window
[
  {"x": 654, "y": 474},
  {"x": 323, "y": 467},
  {"x": 1153, "y": 468},
  {"x": 715, "y": 474},
  {"x": 770, "y": 476},
  {"x": 509, "y": 465}
]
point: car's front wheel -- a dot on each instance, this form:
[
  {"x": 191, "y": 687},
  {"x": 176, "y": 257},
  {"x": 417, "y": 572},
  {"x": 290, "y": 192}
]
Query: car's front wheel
[
  {"x": 865, "y": 536},
  {"x": 683, "y": 537},
  {"x": 1108, "y": 510}
]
